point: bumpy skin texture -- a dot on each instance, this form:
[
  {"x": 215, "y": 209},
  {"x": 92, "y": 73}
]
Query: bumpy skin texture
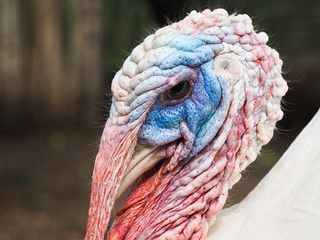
[{"x": 220, "y": 128}]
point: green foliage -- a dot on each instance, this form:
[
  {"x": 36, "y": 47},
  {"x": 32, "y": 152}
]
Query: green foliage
[
  {"x": 67, "y": 20},
  {"x": 125, "y": 23}
]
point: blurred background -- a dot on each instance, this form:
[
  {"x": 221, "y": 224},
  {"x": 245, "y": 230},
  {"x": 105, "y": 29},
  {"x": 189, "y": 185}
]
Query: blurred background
[{"x": 57, "y": 59}]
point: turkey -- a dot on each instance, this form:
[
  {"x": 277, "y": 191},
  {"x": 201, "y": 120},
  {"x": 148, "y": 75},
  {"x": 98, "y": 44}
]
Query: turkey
[
  {"x": 285, "y": 204},
  {"x": 192, "y": 106}
]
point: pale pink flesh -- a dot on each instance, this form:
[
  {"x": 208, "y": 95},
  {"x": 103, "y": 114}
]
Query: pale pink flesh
[
  {"x": 163, "y": 206},
  {"x": 116, "y": 149},
  {"x": 178, "y": 200}
]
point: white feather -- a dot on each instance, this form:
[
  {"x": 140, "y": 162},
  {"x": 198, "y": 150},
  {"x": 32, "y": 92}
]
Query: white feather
[{"x": 286, "y": 203}]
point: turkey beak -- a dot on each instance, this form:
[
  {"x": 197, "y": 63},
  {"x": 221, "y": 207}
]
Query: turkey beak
[
  {"x": 115, "y": 153},
  {"x": 143, "y": 159}
]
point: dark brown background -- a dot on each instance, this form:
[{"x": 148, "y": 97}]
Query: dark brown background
[{"x": 57, "y": 59}]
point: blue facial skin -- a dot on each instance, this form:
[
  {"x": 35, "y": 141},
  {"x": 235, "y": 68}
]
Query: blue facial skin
[{"x": 162, "y": 123}]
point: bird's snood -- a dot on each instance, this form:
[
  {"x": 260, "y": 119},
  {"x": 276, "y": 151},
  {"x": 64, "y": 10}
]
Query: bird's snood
[{"x": 192, "y": 107}]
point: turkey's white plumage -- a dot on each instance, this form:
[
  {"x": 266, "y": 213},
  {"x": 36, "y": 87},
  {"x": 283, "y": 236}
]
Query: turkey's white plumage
[{"x": 286, "y": 203}]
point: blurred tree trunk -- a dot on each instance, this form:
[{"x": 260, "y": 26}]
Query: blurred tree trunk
[
  {"x": 65, "y": 88},
  {"x": 47, "y": 91},
  {"x": 86, "y": 52},
  {"x": 50, "y": 64},
  {"x": 11, "y": 65}
]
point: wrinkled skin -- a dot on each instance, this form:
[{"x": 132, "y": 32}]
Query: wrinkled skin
[{"x": 192, "y": 107}]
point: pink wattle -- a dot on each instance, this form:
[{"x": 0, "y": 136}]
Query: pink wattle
[{"x": 159, "y": 208}]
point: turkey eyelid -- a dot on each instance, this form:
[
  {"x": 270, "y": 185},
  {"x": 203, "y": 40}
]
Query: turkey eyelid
[{"x": 180, "y": 90}]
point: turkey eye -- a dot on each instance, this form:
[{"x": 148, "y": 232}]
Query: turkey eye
[{"x": 179, "y": 91}]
